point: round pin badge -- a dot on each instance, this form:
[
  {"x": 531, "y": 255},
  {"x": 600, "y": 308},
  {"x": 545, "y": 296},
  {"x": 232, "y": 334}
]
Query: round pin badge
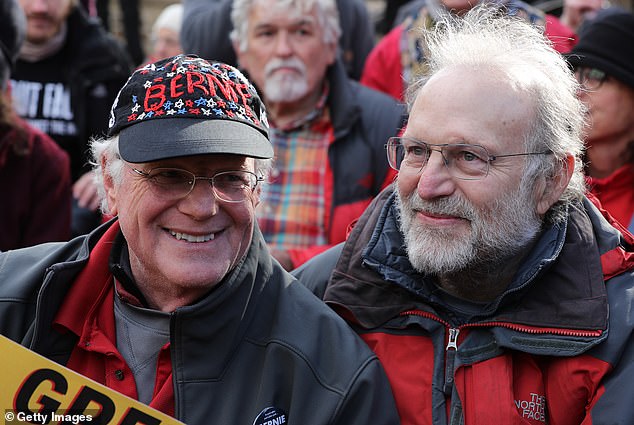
[{"x": 271, "y": 416}]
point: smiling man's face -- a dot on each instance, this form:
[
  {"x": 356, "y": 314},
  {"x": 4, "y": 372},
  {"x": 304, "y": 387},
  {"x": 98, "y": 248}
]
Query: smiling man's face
[{"x": 182, "y": 247}]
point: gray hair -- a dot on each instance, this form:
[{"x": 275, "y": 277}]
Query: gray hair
[
  {"x": 171, "y": 17},
  {"x": 486, "y": 38},
  {"x": 107, "y": 160},
  {"x": 327, "y": 15}
]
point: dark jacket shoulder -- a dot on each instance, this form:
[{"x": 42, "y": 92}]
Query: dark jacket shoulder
[
  {"x": 90, "y": 46},
  {"x": 351, "y": 103}
]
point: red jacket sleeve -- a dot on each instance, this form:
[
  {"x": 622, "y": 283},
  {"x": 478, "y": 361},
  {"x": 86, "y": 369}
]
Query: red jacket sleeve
[
  {"x": 383, "y": 70},
  {"x": 562, "y": 37}
]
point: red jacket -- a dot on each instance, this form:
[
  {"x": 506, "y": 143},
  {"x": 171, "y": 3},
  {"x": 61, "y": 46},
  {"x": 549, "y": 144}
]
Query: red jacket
[
  {"x": 616, "y": 193},
  {"x": 36, "y": 188},
  {"x": 87, "y": 312},
  {"x": 555, "y": 348}
]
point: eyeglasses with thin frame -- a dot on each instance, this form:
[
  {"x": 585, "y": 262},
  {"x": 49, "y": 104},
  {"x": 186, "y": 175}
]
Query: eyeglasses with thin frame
[
  {"x": 590, "y": 78},
  {"x": 464, "y": 161},
  {"x": 175, "y": 183}
]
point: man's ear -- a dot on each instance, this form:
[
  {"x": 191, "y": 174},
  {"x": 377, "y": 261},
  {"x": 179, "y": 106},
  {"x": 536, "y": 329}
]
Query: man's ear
[
  {"x": 110, "y": 187},
  {"x": 551, "y": 189}
]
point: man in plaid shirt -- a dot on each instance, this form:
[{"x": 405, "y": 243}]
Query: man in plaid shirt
[{"x": 328, "y": 132}]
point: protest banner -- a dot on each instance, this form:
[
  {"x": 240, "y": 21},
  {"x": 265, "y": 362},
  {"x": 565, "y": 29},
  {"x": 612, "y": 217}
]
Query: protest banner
[{"x": 39, "y": 391}]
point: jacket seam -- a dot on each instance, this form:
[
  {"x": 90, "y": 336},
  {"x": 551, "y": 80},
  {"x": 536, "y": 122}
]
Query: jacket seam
[{"x": 306, "y": 360}]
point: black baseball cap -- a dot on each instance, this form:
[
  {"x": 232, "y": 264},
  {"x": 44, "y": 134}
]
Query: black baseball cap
[{"x": 185, "y": 105}]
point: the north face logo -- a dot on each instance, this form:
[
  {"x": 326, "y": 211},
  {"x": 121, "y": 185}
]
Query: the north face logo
[{"x": 534, "y": 408}]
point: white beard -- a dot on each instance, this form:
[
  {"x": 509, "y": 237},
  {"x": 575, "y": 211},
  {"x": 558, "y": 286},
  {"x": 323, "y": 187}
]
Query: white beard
[
  {"x": 495, "y": 233},
  {"x": 285, "y": 87}
]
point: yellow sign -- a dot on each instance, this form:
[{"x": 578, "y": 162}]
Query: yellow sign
[{"x": 36, "y": 390}]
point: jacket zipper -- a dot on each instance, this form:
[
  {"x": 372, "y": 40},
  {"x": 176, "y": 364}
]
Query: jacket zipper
[
  {"x": 452, "y": 343},
  {"x": 513, "y": 326},
  {"x": 450, "y": 357}
]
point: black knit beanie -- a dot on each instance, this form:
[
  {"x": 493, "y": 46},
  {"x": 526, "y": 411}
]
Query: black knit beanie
[{"x": 607, "y": 43}]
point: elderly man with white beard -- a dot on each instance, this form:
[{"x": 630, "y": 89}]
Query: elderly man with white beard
[
  {"x": 491, "y": 288},
  {"x": 328, "y": 132}
]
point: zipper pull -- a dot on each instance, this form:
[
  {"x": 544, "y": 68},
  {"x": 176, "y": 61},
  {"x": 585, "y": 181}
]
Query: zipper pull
[
  {"x": 452, "y": 347},
  {"x": 453, "y": 339}
]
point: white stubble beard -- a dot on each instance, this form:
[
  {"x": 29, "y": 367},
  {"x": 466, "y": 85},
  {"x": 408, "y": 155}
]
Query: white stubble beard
[{"x": 494, "y": 234}]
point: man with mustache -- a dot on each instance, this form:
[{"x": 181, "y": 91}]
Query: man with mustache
[
  {"x": 328, "y": 131},
  {"x": 209, "y": 25},
  {"x": 491, "y": 288},
  {"x": 67, "y": 75}
]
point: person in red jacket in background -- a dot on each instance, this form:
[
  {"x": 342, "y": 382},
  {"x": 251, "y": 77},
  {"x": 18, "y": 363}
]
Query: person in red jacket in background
[
  {"x": 35, "y": 177},
  {"x": 398, "y": 58},
  {"x": 604, "y": 64}
]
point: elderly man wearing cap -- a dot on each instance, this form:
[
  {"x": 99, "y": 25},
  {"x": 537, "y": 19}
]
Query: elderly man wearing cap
[
  {"x": 604, "y": 65},
  {"x": 176, "y": 301}
]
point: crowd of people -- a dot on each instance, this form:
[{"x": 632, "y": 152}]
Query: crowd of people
[{"x": 282, "y": 212}]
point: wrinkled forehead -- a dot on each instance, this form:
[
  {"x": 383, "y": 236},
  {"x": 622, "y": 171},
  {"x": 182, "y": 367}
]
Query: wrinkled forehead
[{"x": 473, "y": 107}]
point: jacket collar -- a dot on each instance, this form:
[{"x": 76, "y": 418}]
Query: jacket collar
[
  {"x": 344, "y": 110},
  {"x": 224, "y": 315},
  {"x": 231, "y": 303},
  {"x": 551, "y": 290}
]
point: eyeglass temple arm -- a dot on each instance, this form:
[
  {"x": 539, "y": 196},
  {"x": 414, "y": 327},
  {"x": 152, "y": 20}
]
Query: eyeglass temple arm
[{"x": 494, "y": 157}]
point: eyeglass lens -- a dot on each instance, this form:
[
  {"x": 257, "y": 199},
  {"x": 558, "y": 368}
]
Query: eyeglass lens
[
  {"x": 590, "y": 78},
  {"x": 229, "y": 186},
  {"x": 467, "y": 162}
]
